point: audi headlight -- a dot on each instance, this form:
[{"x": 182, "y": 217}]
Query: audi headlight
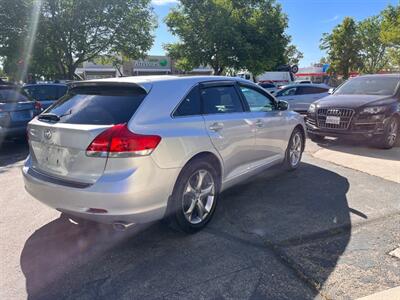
[
  {"x": 374, "y": 110},
  {"x": 312, "y": 108}
]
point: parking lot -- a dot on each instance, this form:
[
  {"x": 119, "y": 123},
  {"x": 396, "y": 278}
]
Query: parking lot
[{"x": 324, "y": 231}]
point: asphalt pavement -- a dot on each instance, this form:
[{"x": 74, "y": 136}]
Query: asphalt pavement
[{"x": 324, "y": 231}]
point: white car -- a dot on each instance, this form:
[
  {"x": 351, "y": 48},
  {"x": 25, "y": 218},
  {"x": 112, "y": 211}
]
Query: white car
[{"x": 300, "y": 96}]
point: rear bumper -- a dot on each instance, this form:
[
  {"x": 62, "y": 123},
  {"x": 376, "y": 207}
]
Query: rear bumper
[{"x": 127, "y": 199}]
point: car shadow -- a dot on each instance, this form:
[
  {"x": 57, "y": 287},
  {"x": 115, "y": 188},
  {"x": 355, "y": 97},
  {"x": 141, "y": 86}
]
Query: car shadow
[
  {"x": 362, "y": 148},
  {"x": 264, "y": 242},
  {"x": 12, "y": 152}
]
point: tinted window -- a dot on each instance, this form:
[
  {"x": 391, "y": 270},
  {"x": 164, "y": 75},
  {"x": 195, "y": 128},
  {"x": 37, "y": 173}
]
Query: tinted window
[
  {"x": 43, "y": 92},
  {"x": 98, "y": 106},
  {"x": 382, "y": 85},
  {"x": 267, "y": 85},
  {"x": 287, "y": 92},
  {"x": 256, "y": 100},
  {"x": 303, "y": 90},
  {"x": 12, "y": 95},
  {"x": 223, "y": 99},
  {"x": 62, "y": 90},
  {"x": 191, "y": 105}
]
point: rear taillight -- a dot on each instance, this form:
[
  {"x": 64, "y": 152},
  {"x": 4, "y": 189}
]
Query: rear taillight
[
  {"x": 38, "y": 106},
  {"x": 119, "y": 141}
]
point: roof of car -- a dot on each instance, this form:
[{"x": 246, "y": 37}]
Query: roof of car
[
  {"x": 160, "y": 78},
  {"x": 320, "y": 85},
  {"x": 45, "y": 84},
  {"x": 146, "y": 82},
  {"x": 393, "y": 75}
]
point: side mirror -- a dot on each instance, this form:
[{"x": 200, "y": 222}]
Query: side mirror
[
  {"x": 283, "y": 105},
  {"x": 331, "y": 90}
]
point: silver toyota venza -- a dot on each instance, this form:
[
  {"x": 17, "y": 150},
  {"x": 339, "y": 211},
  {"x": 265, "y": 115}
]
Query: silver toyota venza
[{"x": 131, "y": 150}]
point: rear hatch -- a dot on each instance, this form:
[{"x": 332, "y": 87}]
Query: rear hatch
[
  {"x": 16, "y": 108},
  {"x": 60, "y": 136}
]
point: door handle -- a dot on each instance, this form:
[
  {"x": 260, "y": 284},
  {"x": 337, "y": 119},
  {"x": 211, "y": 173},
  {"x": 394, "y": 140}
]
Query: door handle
[
  {"x": 259, "y": 123},
  {"x": 216, "y": 126}
]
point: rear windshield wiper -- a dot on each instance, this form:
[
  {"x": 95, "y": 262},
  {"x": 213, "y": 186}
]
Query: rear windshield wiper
[{"x": 49, "y": 117}]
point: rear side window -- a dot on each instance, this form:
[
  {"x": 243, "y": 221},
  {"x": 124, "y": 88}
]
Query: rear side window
[
  {"x": 98, "y": 105},
  {"x": 287, "y": 92},
  {"x": 221, "y": 99},
  {"x": 310, "y": 90},
  {"x": 191, "y": 104}
]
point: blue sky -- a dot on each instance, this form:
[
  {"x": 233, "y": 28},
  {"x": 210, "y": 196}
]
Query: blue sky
[{"x": 308, "y": 19}]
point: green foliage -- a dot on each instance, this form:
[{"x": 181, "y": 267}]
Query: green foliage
[
  {"x": 390, "y": 33},
  {"x": 373, "y": 51},
  {"x": 225, "y": 34},
  {"x": 71, "y": 32},
  {"x": 343, "y": 47},
  {"x": 293, "y": 55}
]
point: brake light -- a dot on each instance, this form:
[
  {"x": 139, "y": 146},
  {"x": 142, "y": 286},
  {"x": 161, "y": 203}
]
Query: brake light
[
  {"x": 119, "y": 141},
  {"x": 38, "y": 106}
]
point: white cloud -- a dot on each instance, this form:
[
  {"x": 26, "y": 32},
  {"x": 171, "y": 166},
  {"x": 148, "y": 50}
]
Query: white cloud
[
  {"x": 163, "y": 2},
  {"x": 335, "y": 18}
]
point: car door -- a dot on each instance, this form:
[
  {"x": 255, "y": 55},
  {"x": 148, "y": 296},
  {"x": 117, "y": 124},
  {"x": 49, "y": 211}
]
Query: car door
[
  {"x": 271, "y": 126},
  {"x": 229, "y": 126},
  {"x": 305, "y": 95}
]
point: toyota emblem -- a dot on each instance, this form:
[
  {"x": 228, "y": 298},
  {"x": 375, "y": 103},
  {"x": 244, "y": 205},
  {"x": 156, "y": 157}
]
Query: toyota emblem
[{"x": 47, "y": 134}]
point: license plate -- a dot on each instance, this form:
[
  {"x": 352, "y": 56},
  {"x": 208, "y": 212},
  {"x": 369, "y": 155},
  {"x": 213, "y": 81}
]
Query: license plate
[
  {"x": 332, "y": 120},
  {"x": 23, "y": 115}
]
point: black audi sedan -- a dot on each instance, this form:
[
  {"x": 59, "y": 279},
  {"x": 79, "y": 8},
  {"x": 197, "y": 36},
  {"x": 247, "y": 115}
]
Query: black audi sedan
[{"x": 366, "y": 106}]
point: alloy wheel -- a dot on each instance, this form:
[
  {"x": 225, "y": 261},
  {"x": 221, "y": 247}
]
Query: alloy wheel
[
  {"x": 392, "y": 132},
  {"x": 198, "y": 196},
  {"x": 295, "y": 149}
]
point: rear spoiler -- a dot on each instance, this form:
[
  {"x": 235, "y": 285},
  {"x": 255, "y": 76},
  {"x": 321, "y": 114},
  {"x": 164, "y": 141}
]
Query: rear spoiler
[{"x": 146, "y": 87}]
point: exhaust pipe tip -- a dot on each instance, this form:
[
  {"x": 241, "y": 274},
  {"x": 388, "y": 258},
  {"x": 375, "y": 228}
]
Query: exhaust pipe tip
[{"x": 122, "y": 226}]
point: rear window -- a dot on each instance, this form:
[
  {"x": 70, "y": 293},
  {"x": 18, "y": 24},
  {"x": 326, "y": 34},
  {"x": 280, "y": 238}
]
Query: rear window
[
  {"x": 98, "y": 105},
  {"x": 46, "y": 92},
  {"x": 9, "y": 95}
]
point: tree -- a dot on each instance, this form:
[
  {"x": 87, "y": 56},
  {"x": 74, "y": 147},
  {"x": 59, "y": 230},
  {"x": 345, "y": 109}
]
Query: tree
[
  {"x": 390, "y": 33},
  {"x": 343, "y": 46},
  {"x": 373, "y": 50},
  {"x": 293, "y": 55},
  {"x": 71, "y": 32},
  {"x": 15, "y": 21},
  {"x": 225, "y": 34}
]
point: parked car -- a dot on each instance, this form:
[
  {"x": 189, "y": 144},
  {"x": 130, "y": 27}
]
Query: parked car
[
  {"x": 46, "y": 93},
  {"x": 300, "y": 96},
  {"x": 111, "y": 157},
  {"x": 268, "y": 86},
  {"x": 366, "y": 106},
  {"x": 16, "y": 110}
]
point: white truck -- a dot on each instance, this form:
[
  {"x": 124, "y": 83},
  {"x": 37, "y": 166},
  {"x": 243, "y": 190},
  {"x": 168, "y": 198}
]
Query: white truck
[{"x": 278, "y": 78}]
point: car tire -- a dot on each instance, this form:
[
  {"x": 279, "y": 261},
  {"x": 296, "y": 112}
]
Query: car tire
[
  {"x": 194, "y": 200},
  {"x": 316, "y": 138},
  {"x": 294, "y": 150},
  {"x": 391, "y": 134}
]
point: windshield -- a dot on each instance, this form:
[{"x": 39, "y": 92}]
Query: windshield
[
  {"x": 10, "y": 95},
  {"x": 369, "y": 86}
]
